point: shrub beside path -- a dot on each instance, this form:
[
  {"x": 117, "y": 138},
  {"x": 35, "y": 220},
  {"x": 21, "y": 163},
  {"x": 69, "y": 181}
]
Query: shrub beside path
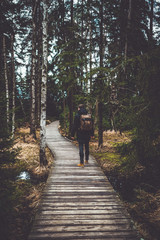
[{"x": 78, "y": 203}]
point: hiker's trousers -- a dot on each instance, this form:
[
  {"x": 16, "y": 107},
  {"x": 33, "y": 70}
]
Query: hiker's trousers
[{"x": 82, "y": 146}]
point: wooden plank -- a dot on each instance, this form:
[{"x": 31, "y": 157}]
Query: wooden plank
[
  {"x": 69, "y": 222},
  {"x": 83, "y": 189},
  {"x": 78, "y": 189},
  {"x": 122, "y": 235},
  {"x": 79, "y": 212},
  {"x": 80, "y": 194},
  {"x": 84, "y": 204},
  {"x": 58, "y": 199},
  {"x": 82, "y": 228},
  {"x": 91, "y": 218},
  {"x": 48, "y": 207}
]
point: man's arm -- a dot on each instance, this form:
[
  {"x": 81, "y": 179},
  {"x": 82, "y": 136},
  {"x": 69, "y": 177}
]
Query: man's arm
[
  {"x": 92, "y": 131},
  {"x": 75, "y": 127}
]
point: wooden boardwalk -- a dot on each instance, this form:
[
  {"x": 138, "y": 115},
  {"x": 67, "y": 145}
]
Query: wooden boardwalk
[{"x": 78, "y": 203}]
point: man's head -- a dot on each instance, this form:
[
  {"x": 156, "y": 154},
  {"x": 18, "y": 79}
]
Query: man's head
[{"x": 80, "y": 106}]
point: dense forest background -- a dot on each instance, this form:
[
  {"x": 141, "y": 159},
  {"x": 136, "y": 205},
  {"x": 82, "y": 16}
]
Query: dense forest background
[{"x": 104, "y": 53}]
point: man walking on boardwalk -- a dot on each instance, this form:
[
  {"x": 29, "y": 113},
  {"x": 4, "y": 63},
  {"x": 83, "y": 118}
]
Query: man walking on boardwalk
[{"x": 83, "y": 127}]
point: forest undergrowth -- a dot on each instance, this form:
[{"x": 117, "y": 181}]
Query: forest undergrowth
[
  {"x": 22, "y": 183},
  {"x": 135, "y": 184}
]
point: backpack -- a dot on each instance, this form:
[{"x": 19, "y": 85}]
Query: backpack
[{"x": 86, "y": 123}]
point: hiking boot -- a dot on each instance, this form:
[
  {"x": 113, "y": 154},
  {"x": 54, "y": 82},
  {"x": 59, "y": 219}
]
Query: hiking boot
[
  {"x": 80, "y": 165},
  {"x": 86, "y": 161}
]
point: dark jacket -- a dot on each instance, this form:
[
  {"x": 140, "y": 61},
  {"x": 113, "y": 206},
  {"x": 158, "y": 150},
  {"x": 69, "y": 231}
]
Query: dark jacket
[{"x": 82, "y": 136}]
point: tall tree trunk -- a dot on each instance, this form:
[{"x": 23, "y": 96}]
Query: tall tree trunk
[
  {"x": 151, "y": 23},
  {"x": 33, "y": 73},
  {"x": 82, "y": 45},
  {"x": 128, "y": 30},
  {"x": 62, "y": 12},
  {"x": 64, "y": 111},
  {"x": 39, "y": 66},
  {"x": 71, "y": 13},
  {"x": 14, "y": 85},
  {"x": 90, "y": 54},
  {"x": 114, "y": 104},
  {"x": 127, "y": 50},
  {"x": 6, "y": 80},
  {"x": 100, "y": 81},
  {"x": 70, "y": 105},
  {"x": 43, "y": 160},
  {"x": 21, "y": 103},
  {"x": 100, "y": 124},
  {"x": 71, "y": 76},
  {"x": 38, "y": 93},
  {"x": 96, "y": 113}
]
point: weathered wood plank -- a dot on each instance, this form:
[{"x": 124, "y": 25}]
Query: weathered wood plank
[
  {"x": 101, "y": 217},
  {"x": 70, "y": 222},
  {"x": 81, "y": 204},
  {"x": 83, "y": 228},
  {"x": 79, "y": 212},
  {"x": 48, "y": 207},
  {"x": 121, "y": 235}
]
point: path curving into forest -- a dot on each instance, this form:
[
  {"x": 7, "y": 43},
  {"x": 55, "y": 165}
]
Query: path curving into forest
[{"x": 78, "y": 203}]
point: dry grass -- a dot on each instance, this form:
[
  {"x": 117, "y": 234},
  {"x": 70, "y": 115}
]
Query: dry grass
[
  {"x": 30, "y": 190},
  {"x": 110, "y": 140},
  {"x": 29, "y": 151}
]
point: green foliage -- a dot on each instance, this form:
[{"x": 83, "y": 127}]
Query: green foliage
[
  {"x": 64, "y": 123},
  {"x": 148, "y": 115},
  {"x": 106, "y": 124},
  {"x": 140, "y": 109},
  {"x": 128, "y": 152},
  {"x": 7, "y": 154}
]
